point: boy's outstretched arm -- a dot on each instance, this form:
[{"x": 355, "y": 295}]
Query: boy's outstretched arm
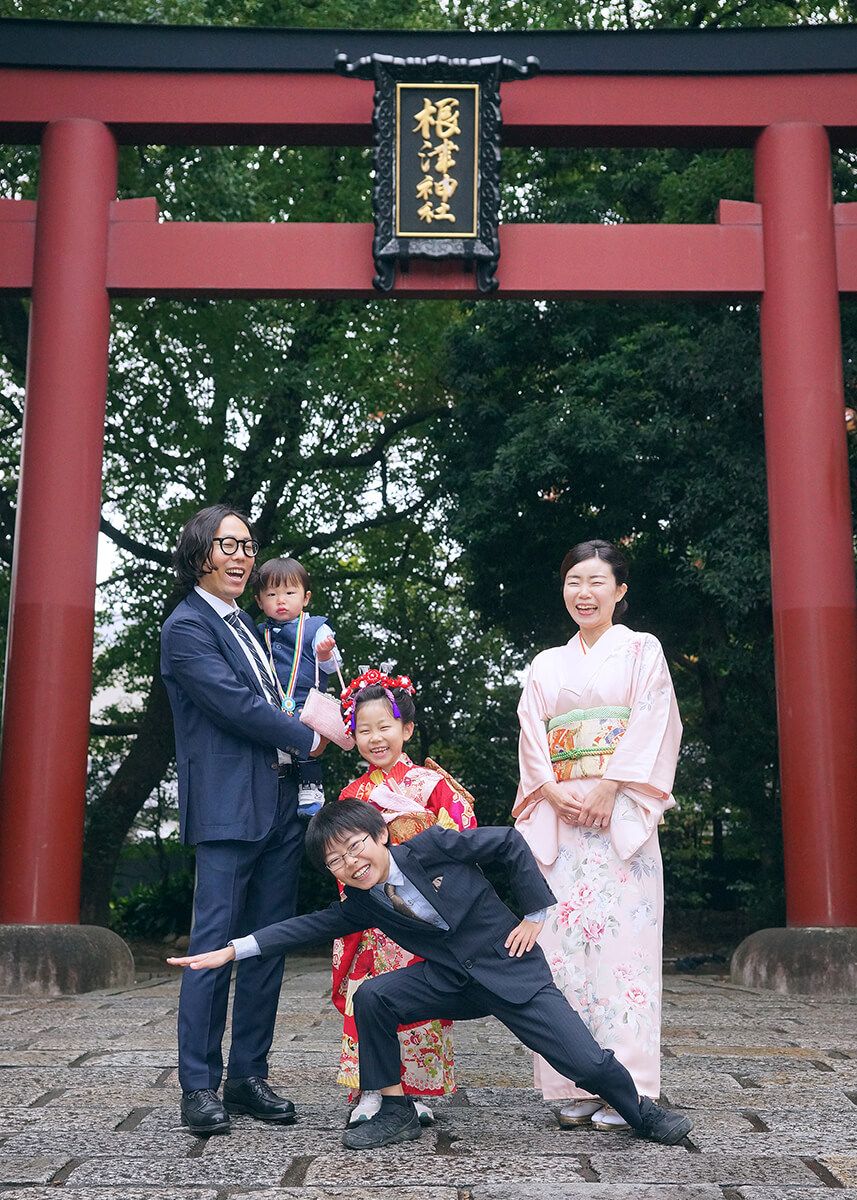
[
  {"x": 281, "y": 938},
  {"x": 297, "y": 932}
]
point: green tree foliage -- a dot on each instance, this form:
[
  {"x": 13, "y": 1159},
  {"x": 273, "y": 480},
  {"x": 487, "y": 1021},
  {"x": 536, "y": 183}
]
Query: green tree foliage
[
  {"x": 317, "y": 418},
  {"x": 642, "y": 424}
]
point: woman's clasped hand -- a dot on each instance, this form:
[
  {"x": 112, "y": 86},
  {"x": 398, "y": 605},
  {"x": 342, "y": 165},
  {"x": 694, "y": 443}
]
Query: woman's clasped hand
[{"x": 592, "y": 809}]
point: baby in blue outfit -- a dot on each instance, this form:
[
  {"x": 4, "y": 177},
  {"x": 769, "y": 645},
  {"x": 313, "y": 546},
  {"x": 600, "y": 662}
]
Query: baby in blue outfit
[{"x": 282, "y": 589}]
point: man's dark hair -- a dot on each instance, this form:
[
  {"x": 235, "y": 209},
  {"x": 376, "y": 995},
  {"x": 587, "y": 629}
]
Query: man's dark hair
[
  {"x": 336, "y": 821},
  {"x": 404, "y": 700},
  {"x": 190, "y": 557},
  {"x": 278, "y": 571}
]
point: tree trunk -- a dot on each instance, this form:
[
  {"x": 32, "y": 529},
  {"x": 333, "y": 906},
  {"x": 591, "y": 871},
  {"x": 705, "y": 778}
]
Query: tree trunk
[{"x": 112, "y": 815}]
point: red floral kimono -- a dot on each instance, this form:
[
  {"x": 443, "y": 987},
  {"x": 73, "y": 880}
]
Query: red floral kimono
[{"x": 411, "y": 799}]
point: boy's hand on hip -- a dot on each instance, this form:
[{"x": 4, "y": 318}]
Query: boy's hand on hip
[
  {"x": 205, "y": 962},
  {"x": 523, "y": 938}
]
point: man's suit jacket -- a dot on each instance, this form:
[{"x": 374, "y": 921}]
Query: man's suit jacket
[
  {"x": 444, "y": 866},
  {"x": 227, "y": 732}
]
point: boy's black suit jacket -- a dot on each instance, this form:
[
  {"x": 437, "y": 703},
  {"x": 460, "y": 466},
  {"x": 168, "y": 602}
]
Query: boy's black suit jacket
[{"x": 444, "y": 866}]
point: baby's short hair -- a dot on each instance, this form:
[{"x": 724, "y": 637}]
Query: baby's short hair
[
  {"x": 277, "y": 571},
  {"x": 335, "y": 821}
]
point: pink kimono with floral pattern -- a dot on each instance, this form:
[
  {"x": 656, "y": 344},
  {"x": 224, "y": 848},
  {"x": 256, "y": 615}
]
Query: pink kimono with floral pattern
[{"x": 603, "y": 940}]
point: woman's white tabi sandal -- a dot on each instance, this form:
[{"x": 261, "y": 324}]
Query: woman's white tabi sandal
[
  {"x": 578, "y": 1112},
  {"x": 607, "y": 1119}
]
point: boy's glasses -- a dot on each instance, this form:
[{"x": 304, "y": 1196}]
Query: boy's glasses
[
  {"x": 229, "y": 545},
  {"x": 350, "y": 855}
]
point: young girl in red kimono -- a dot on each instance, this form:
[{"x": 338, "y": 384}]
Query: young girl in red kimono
[{"x": 380, "y": 710}]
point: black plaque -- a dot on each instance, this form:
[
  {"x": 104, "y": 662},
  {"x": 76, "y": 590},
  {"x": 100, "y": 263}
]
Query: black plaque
[
  {"x": 437, "y": 159},
  {"x": 437, "y": 168}
]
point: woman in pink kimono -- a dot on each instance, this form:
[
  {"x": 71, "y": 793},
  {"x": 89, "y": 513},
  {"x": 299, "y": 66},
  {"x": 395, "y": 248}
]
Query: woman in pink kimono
[{"x": 600, "y": 734}]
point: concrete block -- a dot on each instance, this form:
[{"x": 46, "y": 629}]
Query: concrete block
[
  {"x": 59, "y": 960},
  {"x": 809, "y": 961}
]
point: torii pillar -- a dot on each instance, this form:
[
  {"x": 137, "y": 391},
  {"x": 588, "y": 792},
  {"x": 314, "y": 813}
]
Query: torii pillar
[
  {"x": 49, "y": 656},
  {"x": 812, "y": 572}
]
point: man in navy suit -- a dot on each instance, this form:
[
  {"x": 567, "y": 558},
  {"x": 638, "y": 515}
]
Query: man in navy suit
[
  {"x": 235, "y": 754},
  {"x": 431, "y": 897}
]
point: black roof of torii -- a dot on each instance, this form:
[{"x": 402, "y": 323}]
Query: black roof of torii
[{"x": 83, "y": 45}]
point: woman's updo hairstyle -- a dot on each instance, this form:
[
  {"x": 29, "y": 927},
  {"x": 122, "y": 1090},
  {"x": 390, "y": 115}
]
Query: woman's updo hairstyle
[
  {"x": 608, "y": 553},
  {"x": 375, "y": 691}
]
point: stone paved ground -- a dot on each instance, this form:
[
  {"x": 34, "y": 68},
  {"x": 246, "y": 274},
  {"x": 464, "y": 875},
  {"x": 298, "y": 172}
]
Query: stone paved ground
[{"x": 88, "y": 1103}]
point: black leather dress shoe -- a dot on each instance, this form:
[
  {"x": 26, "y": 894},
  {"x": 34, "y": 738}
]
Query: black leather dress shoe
[
  {"x": 203, "y": 1113},
  {"x": 393, "y": 1123},
  {"x": 661, "y": 1125},
  {"x": 254, "y": 1096}
]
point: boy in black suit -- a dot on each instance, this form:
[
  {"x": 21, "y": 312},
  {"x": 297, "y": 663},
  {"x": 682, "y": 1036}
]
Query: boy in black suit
[{"x": 430, "y": 895}]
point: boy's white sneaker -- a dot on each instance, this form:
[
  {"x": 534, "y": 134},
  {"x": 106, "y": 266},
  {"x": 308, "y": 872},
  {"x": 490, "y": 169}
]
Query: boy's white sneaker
[
  {"x": 578, "y": 1112},
  {"x": 365, "y": 1108},
  {"x": 424, "y": 1113},
  {"x": 608, "y": 1119}
]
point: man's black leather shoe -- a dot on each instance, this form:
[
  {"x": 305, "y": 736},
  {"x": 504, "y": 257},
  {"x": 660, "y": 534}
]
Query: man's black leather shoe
[
  {"x": 203, "y": 1113},
  {"x": 393, "y": 1123},
  {"x": 254, "y": 1096},
  {"x": 661, "y": 1125}
]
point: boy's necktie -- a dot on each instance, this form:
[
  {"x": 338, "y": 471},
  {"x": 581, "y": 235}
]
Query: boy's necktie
[
  {"x": 232, "y": 619},
  {"x": 400, "y": 905}
]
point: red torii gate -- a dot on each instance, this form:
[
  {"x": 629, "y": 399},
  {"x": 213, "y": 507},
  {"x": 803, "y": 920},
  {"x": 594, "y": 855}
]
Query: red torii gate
[{"x": 786, "y": 92}]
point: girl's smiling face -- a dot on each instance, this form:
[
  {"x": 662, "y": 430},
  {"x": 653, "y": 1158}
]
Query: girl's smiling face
[{"x": 380, "y": 736}]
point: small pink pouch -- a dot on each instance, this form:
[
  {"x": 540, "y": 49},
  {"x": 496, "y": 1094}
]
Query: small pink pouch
[{"x": 324, "y": 715}]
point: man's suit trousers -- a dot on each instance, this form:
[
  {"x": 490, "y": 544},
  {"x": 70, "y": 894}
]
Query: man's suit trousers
[
  {"x": 545, "y": 1023},
  {"x": 240, "y": 886}
]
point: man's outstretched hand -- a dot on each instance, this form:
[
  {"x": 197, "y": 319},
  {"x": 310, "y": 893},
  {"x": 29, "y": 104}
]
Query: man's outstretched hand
[{"x": 204, "y": 962}]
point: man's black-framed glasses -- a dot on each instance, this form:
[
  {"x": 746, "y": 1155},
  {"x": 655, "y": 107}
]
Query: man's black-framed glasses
[
  {"x": 351, "y": 854},
  {"x": 229, "y": 545}
]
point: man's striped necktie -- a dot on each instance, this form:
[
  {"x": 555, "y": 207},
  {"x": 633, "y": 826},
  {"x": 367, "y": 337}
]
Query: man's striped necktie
[{"x": 246, "y": 637}]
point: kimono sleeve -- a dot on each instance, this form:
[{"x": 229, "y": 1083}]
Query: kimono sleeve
[
  {"x": 533, "y": 755},
  {"x": 647, "y": 753},
  {"x": 452, "y": 810},
  {"x": 645, "y": 758},
  {"x": 535, "y": 819}
]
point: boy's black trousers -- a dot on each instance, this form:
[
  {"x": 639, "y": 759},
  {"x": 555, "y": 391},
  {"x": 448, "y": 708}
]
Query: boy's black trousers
[{"x": 546, "y": 1024}]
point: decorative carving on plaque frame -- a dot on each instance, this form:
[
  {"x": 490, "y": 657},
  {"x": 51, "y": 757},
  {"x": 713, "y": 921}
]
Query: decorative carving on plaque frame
[{"x": 466, "y": 227}]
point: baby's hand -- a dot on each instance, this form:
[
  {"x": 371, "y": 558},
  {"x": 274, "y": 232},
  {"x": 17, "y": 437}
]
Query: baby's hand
[
  {"x": 523, "y": 938},
  {"x": 325, "y": 648},
  {"x": 203, "y": 962}
]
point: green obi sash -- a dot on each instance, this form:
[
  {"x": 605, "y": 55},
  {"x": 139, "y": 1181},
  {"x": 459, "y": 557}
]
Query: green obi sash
[{"x": 582, "y": 741}]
